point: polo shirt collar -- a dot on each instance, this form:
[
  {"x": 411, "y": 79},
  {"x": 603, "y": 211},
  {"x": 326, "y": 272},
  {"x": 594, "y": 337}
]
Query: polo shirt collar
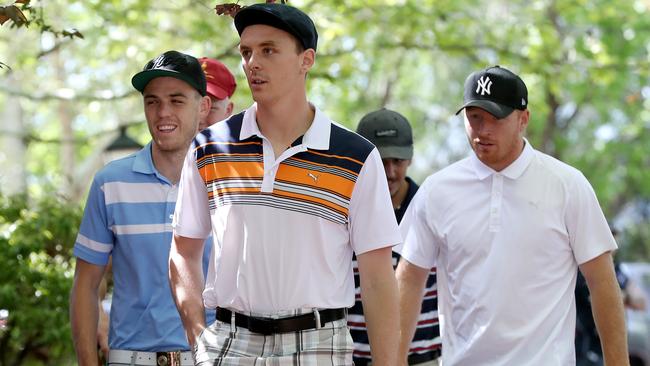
[
  {"x": 512, "y": 171},
  {"x": 317, "y": 136},
  {"x": 143, "y": 162}
]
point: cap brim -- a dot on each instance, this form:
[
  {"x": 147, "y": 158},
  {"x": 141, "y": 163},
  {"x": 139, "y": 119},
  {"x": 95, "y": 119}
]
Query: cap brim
[
  {"x": 498, "y": 110},
  {"x": 395, "y": 152},
  {"x": 217, "y": 92},
  {"x": 141, "y": 79}
]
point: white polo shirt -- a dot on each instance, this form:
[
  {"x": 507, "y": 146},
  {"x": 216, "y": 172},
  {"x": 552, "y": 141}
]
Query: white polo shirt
[
  {"x": 284, "y": 229},
  {"x": 507, "y": 247}
]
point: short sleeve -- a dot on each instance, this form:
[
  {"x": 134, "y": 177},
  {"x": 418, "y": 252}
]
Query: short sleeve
[
  {"x": 420, "y": 240},
  {"x": 192, "y": 213},
  {"x": 95, "y": 239},
  {"x": 372, "y": 220},
  {"x": 589, "y": 232}
]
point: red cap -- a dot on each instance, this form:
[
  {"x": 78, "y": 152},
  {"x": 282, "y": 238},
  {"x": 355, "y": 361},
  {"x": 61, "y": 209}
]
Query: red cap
[{"x": 221, "y": 82}]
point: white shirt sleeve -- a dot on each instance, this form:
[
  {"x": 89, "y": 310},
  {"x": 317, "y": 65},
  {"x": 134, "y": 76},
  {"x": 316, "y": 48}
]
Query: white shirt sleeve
[
  {"x": 420, "y": 240},
  {"x": 589, "y": 232},
  {"x": 192, "y": 214},
  {"x": 372, "y": 222}
]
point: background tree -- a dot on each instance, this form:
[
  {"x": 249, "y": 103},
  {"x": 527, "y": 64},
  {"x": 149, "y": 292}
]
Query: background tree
[{"x": 35, "y": 279}]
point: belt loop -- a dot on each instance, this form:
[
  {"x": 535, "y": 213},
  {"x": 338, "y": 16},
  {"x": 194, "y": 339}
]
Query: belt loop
[
  {"x": 317, "y": 316},
  {"x": 233, "y": 326},
  {"x": 134, "y": 356}
]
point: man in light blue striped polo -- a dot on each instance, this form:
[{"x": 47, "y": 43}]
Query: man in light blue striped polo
[{"x": 128, "y": 216}]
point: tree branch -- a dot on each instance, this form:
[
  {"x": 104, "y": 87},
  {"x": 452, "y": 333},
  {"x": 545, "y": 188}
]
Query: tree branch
[{"x": 79, "y": 96}]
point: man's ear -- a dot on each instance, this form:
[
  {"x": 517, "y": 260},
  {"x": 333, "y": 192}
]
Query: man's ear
[
  {"x": 308, "y": 59},
  {"x": 204, "y": 106},
  {"x": 523, "y": 120},
  {"x": 229, "y": 108}
]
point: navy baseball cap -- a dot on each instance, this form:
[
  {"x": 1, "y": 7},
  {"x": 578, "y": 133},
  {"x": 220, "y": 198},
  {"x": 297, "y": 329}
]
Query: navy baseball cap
[
  {"x": 281, "y": 16},
  {"x": 173, "y": 64},
  {"x": 497, "y": 90}
]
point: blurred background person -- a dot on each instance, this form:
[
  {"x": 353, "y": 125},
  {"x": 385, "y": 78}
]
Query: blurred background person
[
  {"x": 391, "y": 133},
  {"x": 588, "y": 349},
  {"x": 221, "y": 86}
]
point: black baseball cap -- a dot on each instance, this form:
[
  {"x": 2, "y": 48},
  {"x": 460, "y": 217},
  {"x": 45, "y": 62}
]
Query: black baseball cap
[
  {"x": 497, "y": 90},
  {"x": 390, "y": 132},
  {"x": 281, "y": 16},
  {"x": 173, "y": 64}
]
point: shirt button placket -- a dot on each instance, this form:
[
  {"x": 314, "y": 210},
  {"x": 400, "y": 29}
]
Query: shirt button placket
[{"x": 495, "y": 203}]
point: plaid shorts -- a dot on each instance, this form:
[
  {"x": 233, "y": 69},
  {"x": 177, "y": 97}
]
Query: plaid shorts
[{"x": 222, "y": 344}]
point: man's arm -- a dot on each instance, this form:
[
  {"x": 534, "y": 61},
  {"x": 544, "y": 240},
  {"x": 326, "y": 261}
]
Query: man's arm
[
  {"x": 379, "y": 298},
  {"x": 607, "y": 308},
  {"x": 104, "y": 319},
  {"x": 411, "y": 280},
  {"x": 84, "y": 301},
  {"x": 186, "y": 280}
]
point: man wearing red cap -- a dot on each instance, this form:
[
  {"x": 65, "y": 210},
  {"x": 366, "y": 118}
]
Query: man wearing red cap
[{"x": 221, "y": 86}]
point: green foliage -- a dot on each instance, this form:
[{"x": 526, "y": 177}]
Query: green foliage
[
  {"x": 585, "y": 63},
  {"x": 637, "y": 245},
  {"x": 36, "y": 273}
]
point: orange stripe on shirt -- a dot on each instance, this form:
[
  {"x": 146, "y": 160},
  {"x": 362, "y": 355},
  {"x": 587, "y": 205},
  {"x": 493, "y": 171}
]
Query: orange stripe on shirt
[
  {"x": 326, "y": 181},
  {"x": 231, "y": 169}
]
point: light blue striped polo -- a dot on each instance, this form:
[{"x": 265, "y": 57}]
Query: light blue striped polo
[{"x": 128, "y": 215}]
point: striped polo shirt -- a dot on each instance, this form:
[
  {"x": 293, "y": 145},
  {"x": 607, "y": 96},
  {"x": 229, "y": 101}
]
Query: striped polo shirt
[
  {"x": 426, "y": 344},
  {"x": 128, "y": 215},
  {"x": 285, "y": 228}
]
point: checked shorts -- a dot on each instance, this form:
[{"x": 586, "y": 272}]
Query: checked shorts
[{"x": 222, "y": 344}]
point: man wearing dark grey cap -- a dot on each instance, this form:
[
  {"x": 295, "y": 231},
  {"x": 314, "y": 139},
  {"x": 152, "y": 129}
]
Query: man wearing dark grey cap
[
  {"x": 128, "y": 217},
  {"x": 289, "y": 196},
  {"x": 391, "y": 133},
  {"x": 508, "y": 228}
]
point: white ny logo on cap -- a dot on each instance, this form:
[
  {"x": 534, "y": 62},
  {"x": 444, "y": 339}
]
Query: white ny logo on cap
[{"x": 483, "y": 85}]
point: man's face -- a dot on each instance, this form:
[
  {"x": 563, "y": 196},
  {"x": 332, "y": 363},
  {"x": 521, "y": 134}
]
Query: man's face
[
  {"x": 173, "y": 110},
  {"x": 395, "y": 173},
  {"x": 496, "y": 142},
  {"x": 220, "y": 110},
  {"x": 274, "y": 67}
]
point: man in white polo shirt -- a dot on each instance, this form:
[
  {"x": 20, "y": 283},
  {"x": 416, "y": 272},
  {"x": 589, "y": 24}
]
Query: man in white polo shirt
[
  {"x": 508, "y": 228},
  {"x": 288, "y": 196}
]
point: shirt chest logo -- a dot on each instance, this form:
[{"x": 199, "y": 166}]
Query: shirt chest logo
[{"x": 313, "y": 176}]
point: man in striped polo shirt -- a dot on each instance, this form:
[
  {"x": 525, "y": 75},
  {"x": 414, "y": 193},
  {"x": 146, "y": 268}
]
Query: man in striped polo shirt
[
  {"x": 391, "y": 133},
  {"x": 288, "y": 195},
  {"x": 128, "y": 216}
]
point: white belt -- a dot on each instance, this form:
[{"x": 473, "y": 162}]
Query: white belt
[{"x": 150, "y": 358}]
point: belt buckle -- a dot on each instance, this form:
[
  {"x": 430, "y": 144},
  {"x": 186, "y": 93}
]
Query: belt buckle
[{"x": 168, "y": 358}]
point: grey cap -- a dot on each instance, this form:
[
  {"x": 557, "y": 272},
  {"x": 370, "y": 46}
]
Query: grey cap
[{"x": 390, "y": 132}]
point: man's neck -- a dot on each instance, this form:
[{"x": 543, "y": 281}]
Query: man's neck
[
  {"x": 283, "y": 122},
  {"x": 400, "y": 196},
  {"x": 168, "y": 163}
]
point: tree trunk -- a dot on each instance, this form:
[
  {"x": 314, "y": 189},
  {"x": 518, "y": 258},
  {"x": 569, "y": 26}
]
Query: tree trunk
[
  {"x": 67, "y": 154},
  {"x": 12, "y": 147}
]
